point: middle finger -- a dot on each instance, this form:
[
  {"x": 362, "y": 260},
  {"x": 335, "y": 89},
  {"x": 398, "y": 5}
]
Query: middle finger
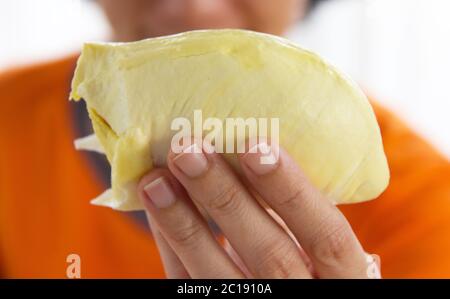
[{"x": 262, "y": 244}]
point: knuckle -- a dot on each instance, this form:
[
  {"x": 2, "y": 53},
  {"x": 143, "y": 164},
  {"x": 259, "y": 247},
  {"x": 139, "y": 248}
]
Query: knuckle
[
  {"x": 226, "y": 200},
  {"x": 187, "y": 234},
  {"x": 333, "y": 242},
  {"x": 298, "y": 196},
  {"x": 277, "y": 261},
  {"x": 292, "y": 199}
]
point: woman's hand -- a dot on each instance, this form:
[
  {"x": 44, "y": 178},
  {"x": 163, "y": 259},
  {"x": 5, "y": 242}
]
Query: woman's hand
[{"x": 260, "y": 246}]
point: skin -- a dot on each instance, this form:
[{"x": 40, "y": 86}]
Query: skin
[
  {"x": 262, "y": 247},
  {"x": 305, "y": 237},
  {"x": 138, "y": 19}
]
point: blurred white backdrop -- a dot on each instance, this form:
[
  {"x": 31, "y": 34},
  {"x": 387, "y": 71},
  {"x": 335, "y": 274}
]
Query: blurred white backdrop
[{"x": 398, "y": 50}]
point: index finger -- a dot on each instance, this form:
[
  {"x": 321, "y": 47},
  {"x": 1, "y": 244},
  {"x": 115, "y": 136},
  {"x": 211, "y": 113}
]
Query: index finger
[{"x": 317, "y": 224}]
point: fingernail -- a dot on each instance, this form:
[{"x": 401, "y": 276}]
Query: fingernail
[
  {"x": 373, "y": 267},
  {"x": 160, "y": 193},
  {"x": 192, "y": 162},
  {"x": 262, "y": 158}
]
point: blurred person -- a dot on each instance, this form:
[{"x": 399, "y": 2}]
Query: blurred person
[{"x": 45, "y": 185}]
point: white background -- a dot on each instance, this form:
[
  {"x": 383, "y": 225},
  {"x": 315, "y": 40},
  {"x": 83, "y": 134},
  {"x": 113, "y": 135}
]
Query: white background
[{"x": 398, "y": 50}]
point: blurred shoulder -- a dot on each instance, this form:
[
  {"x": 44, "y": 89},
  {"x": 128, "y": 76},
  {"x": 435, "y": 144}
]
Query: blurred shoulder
[
  {"x": 403, "y": 145},
  {"x": 29, "y": 84}
]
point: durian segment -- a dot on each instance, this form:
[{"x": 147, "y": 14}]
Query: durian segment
[
  {"x": 135, "y": 90},
  {"x": 104, "y": 199},
  {"x": 89, "y": 143}
]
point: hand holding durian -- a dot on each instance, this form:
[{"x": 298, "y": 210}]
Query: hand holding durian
[
  {"x": 259, "y": 243},
  {"x": 332, "y": 151}
]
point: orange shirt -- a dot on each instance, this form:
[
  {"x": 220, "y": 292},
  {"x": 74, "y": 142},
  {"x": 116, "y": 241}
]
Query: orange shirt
[{"x": 45, "y": 188}]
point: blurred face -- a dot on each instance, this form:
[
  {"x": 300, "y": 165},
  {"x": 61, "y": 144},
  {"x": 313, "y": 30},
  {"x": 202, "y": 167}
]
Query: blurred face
[{"x": 138, "y": 19}]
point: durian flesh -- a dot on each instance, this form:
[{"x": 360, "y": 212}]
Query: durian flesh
[{"x": 135, "y": 90}]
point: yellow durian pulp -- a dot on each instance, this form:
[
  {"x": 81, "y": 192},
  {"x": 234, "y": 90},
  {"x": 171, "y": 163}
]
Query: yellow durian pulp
[{"x": 134, "y": 91}]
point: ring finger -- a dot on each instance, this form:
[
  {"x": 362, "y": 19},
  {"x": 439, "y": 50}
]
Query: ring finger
[{"x": 263, "y": 245}]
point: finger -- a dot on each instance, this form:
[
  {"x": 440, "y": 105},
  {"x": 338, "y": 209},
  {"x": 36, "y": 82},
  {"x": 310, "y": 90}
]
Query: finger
[
  {"x": 183, "y": 228},
  {"x": 304, "y": 256},
  {"x": 373, "y": 266},
  {"x": 236, "y": 259},
  {"x": 318, "y": 225},
  {"x": 262, "y": 244},
  {"x": 173, "y": 267}
]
